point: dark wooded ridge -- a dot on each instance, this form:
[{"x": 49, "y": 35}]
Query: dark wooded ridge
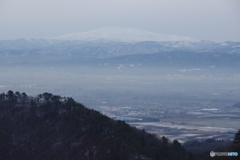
[{"x": 54, "y": 127}]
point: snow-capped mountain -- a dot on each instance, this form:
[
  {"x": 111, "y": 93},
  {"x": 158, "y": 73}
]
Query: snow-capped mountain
[
  {"x": 122, "y": 34},
  {"x": 111, "y": 42}
]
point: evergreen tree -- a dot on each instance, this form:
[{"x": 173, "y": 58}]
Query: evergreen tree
[
  {"x": 18, "y": 96},
  {"x": 2, "y": 96},
  {"x": 24, "y": 97},
  {"x": 165, "y": 140},
  {"x": 11, "y": 96}
]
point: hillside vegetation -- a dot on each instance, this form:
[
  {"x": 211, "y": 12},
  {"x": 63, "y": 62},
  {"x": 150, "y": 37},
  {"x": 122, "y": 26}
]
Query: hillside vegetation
[{"x": 53, "y": 127}]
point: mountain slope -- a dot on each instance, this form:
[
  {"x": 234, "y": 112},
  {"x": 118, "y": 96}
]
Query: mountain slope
[
  {"x": 122, "y": 34},
  {"x": 54, "y": 127}
]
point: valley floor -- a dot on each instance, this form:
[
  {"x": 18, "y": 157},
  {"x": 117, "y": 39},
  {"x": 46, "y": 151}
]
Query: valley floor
[{"x": 195, "y": 122}]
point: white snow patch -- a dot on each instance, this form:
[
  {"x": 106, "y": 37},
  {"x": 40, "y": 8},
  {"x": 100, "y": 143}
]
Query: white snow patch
[
  {"x": 195, "y": 69},
  {"x": 189, "y": 70},
  {"x": 236, "y": 46},
  {"x": 123, "y": 35},
  {"x": 120, "y": 66},
  {"x": 210, "y": 109},
  {"x": 223, "y": 44}
]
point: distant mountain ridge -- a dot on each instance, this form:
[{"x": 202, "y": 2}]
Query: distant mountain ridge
[{"x": 108, "y": 43}]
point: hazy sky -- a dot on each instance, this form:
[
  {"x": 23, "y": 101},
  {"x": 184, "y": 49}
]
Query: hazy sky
[{"x": 217, "y": 20}]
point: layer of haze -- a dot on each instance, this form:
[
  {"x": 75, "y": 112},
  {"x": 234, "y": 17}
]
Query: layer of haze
[
  {"x": 130, "y": 85},
  {"x": 216, "y": 20}
]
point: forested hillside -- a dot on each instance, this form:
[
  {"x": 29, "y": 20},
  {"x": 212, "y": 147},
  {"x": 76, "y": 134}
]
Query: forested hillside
[{"x": 53, "y": 127}]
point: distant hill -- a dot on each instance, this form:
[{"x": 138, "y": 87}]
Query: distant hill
[{"x": 58, "y": 128}]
